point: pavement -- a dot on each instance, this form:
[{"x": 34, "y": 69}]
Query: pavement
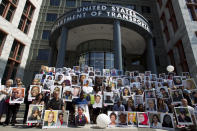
[{"x": 85, "y": 128}]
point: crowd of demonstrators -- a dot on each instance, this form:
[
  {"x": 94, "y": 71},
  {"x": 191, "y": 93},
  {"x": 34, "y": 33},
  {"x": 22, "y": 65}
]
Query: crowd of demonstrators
[{"x": 130, "y": 98}]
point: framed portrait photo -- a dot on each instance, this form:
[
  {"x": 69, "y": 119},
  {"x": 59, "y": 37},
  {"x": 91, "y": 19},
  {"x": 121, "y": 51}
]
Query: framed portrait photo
[
  {"x": 56, "y": 90},
  {"x": 183, "y": 116},
  {"x": 151, "y": 104},
  {"x": 143, "y": 120},
  {"x": 67, "y": 94},
  {"x": 50, "y": 119},
  {"x": 167, "y": 121},
  {"x": 113, "y": 115},
  {"x": 35, "y": 113},
  {"x": 82, "y": 115},
  {"x": 132, "y": 118},
  {"x": 108, "y": 98},
  {"x": 155, "y": 120},
  {"x": 122, "y": 118},
  {"x": 190, "y": 84},
  {"x": 76, "y": 90},
  {"x": 33, "y": 92},
  {"x": 162, "y": 92},
  {"x": 177, "y": 81},
  {"x": 176, "y": 96},
  {"x": 62, "y": 119},
  {"x": 17, "y": 95}
]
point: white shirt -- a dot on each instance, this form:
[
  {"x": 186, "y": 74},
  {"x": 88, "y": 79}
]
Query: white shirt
[{"x": 7, "y": 90}]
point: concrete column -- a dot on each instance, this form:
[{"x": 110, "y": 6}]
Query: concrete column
[
  {"x": 62, "y": 48},
  {"x": 51, "y": 54},
  {"x": 117, "y": 45},
  {"x": 150, "y": 55}
]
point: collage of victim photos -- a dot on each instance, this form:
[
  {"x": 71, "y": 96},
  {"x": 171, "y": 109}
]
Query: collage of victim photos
[{"x": 129, "y": 98}]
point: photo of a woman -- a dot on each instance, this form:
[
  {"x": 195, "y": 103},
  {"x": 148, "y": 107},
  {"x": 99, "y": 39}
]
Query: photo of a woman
[
  {"x": 126, "y": 92},
  {"x": 113, "y": 118},
  {"x": 143, "y": 120},
  {"x": 50, "y": 119},
  {"x": 167, "y": 120},
  {"x": 155, "y": 120}
]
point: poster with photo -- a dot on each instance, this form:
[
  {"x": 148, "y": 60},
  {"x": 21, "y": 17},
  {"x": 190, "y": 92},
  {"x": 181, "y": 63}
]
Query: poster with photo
[
  {"x": 97, "y": 72},
  {"x": 76, "y": 90},
  {"x": 186, "y": 74},
  {"x": 47, "y": 84},
  {"x": 58, "y": 70},
  {"x": 74, "y": 80},
  {"x": 147, "y": 85},
  {"x": 167, "y": 121},
  {"x": 176, "y": 96},
  {"x": 17, "y": 95},
  {"x": 67, "y": 94},
  {"x": 35, "y": 113},
  {"x": 82, "y": 115},
  {"x": 106, "y": 72},
  {"x": 91, "y": 73},
  {"x": 98, "y": 80},
  {"x": 87, "y": 82},
  {"x": 98, "y": 101},
  {"x": 33, "y": 92},
  {"x": 138, "y": 99},
  {"x": 113, "y": 72},
  {"x": 108, "y": 98},
  {"x": 76, "y": 69},
  {"x": 153, "y": 77},
  {"x": 50, "y": 119},
  {"x": 190, "y": 84},
  {"x": 119, "y": 83},
  {"x": 126, "y": 91},
  {"x": 143, "y": 120},
  {"x": 183, "y": 116},
  {"x": 132, "y": 118},
  {"x": 150, "y": 94},
  {"x": 126, "y": 81},
  {"x": 56, "y": 90},
  {"x": 122, "y": 118},
  {"x": 59, "y": 78},
  {"x": 113, "y": 115},
  {"x": 62, "y": 119},
  {"x": 82, "y": 77},
  {"x": 193, "y": 96},
  {"x": 155, "y": 120},
  {"x": 151, "y": 104},
  {"x": 162, "y": 92},
  {"x": 177, "y": 81},
  {"x": 147, "y": 73},
  {"x": 38, "y": 77},
  {"x": 138, "y": 79},
  {"x": 134, "y": 86}
]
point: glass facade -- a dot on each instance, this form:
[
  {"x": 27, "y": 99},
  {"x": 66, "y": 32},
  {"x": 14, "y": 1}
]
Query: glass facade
[
  {"x": 97, "y": 54},
  {"x": 98, "y": 60}
]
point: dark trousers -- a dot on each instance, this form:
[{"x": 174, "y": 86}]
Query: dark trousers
[{"x": 12, "y": 111}]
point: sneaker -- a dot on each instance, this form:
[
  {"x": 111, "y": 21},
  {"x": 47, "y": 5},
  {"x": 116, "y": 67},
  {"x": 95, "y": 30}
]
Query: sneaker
[{"x": 13, "y": 124}]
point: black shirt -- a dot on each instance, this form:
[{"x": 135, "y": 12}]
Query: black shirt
[{"x": 55, "y": 104}]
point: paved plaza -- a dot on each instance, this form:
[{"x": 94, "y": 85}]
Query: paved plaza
[{"x": 86, "y": 128}]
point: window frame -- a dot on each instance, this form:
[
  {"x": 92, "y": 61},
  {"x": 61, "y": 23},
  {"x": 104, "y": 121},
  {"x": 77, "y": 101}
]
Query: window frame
[
  {"x": 8, "y": 5},
  {"x": 3, "y": 42},
  {"x": 25, "y": 15}
]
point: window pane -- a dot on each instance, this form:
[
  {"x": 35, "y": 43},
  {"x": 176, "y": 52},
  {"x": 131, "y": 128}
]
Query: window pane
[
  {"x": 31, "y": 12},
  {"x": 43, "y": 54},
  {"x": 26, "y": 8},
  {"x": 13, "y": 49},
  {"x": 51, "y": 17},
  {"x": 55, "y": 2},
  {"x": 13, "y": 75},
  {"x": 70, "y": 3},
  {"x": 20, "y": 51},
  {"x": 20, "y": 26},
  {"x": 45, "y": 34},
  {"x": 2, "y": 6},
  {"x": 14, "y": 1},
  {"x": 85, "y": 3},
  {"x": 27, "y": 26},
  {"x": 2, "y": 37},
  {"x": 10, "y": 13}
]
